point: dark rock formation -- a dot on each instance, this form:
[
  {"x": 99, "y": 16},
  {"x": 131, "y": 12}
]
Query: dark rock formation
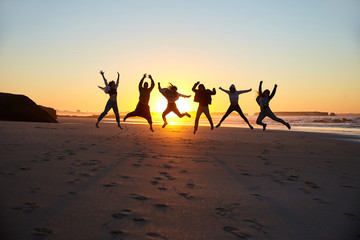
[
  {"x": 50, "y": 111},
  {"x": 21, "y": 108}
]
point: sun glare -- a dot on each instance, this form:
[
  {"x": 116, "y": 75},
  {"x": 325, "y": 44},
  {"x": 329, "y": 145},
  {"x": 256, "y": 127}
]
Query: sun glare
[{"x": 183, "y": 104}]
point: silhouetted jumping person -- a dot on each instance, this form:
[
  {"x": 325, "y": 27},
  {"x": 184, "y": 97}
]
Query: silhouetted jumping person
[
  {"x": 110, "y": 89},
  {"x": 142, "y": 108},
  {"x": 234, "y": 105},
  {"x": 263, "y": 100},
  {"x": 171, "y": 94},
  {"x": 203, "y": 97}
]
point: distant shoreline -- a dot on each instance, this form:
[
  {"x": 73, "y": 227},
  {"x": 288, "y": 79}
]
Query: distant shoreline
[
  {"x": 302, "y": 113},
  {"x": 272, "y": 127}
]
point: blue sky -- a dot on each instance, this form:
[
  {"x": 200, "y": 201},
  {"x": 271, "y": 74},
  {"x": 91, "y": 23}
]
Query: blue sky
[{"x": 309, "y": 48}]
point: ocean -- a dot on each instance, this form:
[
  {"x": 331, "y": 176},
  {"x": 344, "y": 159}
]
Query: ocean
[{"x": 343, "y": 124}]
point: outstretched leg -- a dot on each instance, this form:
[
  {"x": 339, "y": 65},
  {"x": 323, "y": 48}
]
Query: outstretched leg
[
  {"x": 273, "y": 117},
  {"x": 180, "y": 115},
  {"x": 197, "y": 118},
  {"x": 116, "y": 112},
  {"x": 207, "y": 114},
  {"x": 259, "y": 120},
  {"x": 130, "y": 114},
  {"x": 238, "y": 109},
  {"x": 166, "y": 112},
  {"x": 230, "y": 109},
  {"x": 103, "y": 114},
  {"x": 147, "y": 116}
]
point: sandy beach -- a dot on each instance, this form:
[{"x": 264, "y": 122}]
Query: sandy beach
[{"x": 73, "y": 181}]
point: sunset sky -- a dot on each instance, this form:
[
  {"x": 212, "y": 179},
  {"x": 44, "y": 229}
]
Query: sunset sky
[{"x": 52, "y": 51}]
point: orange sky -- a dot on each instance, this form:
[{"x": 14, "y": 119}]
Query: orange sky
[{"x": 53, "y": 51}]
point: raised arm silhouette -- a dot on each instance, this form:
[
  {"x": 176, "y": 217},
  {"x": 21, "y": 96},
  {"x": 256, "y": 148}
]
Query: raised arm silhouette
[
  {"x": 234, "y": 104},
  {"x": 111, "y": 89},
  {"x": 203, "y": 97},
  {"x": 263, "y": 99},
  {"x": 171, "y": 94},
  {"x": 142, "y": 108}
]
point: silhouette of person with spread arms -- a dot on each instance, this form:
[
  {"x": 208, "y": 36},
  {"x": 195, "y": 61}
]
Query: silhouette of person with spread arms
[
  {"x": 234, "y": 105},
  {"x": 203, "y": 97},
  {"x": 110, "y": 89},
  {"x": 263, "y": 100},
  {"x": 171, "y": 94},
  {"x": 142, "y": 108}
]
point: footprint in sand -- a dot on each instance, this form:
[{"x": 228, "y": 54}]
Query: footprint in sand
[
  {"x": 292, "y": 178},
  {"x": 186, "y": 195},
  {"x": 222, "y": 211},
  {"x": 167, "y": 166},
  {"x": 254, "y": 224},
  {"x": 126, "y": 177},
  {"x": 349, "y": 186},
  {"x": 184, "y": 171},
  {"x": 244, "y": 172},
  {"x": 282, "y": 177},
  {"x": 42, "y": 231},
  {"x": 190, "y": 185},
  {"x": 312, "y": 185},
  {"x": 24, "y": 168},
  {"x": 140, "y": 220},
  {"x": 86, "y": 163},
  {"x": 139, "y": 197},
  {"x": 227, "y": 210},
  {"x": 258, "y": 196},
  {"x": 140, "y": 155},
  {"x": 154, "y": 182},
  {"x": 75, "y": 181},
  {"x": 95, "y": 169},
  {"x": 156, "y": 235},
  {"x": 27, "y": 207},
  {"x": 118, "y": 233},
  {"x": 85, "y": 174},
  {"x": 167, "y": 175},
  {"x": 162, "y": 188},
  {"x": 236, "y": 232},
  {"x": 161, "y": 206},
  {"x": 111, "y": 184},
  {"x": 122, "y": 214}
]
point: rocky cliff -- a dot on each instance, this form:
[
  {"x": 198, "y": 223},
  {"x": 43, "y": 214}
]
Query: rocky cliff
[{"x": 21, "y": 108}]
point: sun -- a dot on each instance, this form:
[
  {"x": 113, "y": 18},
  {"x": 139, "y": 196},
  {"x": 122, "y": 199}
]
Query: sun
[{"x": 183, "y": 104}]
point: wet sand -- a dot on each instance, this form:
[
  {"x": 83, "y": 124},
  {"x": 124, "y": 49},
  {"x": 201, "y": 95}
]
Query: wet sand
[{"x": 74, "y": 181}]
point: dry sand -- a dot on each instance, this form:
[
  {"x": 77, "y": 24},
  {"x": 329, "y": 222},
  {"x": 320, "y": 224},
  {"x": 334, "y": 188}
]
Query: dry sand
[{"x": 73, "y": 181}]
